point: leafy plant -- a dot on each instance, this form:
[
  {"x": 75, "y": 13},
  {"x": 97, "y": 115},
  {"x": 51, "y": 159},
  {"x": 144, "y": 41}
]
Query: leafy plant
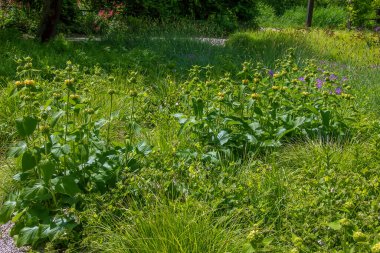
[
  {"x": 61, "y": 156},
  {"x": 267, "y": 108}
]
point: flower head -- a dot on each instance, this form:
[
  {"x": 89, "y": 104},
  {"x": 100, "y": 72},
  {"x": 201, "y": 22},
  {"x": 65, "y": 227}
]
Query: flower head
[
  {"x": 220, "y": 95},
  {"x": 255, "y": 96},
  {"x": 376, "y": 248},
  {"x": 359, "y": 236},
  {"x": 319, "y": 83},
  {"x": 271, "y": 73},
  {"x": 338, "y": 91},
  {"x": 245, "y": 81},
  {"x": 254, "y": 236},
  {"x": 333, "y": 77},
  {"x": 302, "y": 79}
]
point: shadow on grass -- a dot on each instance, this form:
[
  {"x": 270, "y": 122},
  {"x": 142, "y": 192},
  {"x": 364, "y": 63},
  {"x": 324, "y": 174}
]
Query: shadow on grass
[{"x": 154, "y": 57}]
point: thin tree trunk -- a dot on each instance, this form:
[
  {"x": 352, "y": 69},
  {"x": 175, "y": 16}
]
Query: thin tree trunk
[
  {"x": 310, "y": 9},
  {"x": 50, "y": 18}
]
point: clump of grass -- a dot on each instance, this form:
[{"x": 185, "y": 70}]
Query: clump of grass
[
  {"x": 328, "y": 17},
  {"x": 352, "y": 48},
  {"x": 331, "y": 191},
  {"x": 172, "y": 227}
]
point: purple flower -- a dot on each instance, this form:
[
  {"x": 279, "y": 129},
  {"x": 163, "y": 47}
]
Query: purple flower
[
  {"x": 333, "y": 77},
  {"x": 302, "y": 79},
  {"x": 319, "y": 83},
  {"x": 271, "y": 73},
  {"x": 344, "y": 79},
  {"x": 338, "y": 91},
  {"x": 377, "y": 29}
]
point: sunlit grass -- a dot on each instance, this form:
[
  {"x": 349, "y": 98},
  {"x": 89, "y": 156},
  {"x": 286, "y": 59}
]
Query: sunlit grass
[{"x": 295, "y": 191}]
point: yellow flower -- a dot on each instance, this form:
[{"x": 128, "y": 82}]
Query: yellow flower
[
  {"x": 69, "y": 82},
  {"x": 376, "y": 248},
  {"x": 57, "y": 95},
  {"x": 220, "y": 95},
  {"x": 75, "y": 97},
  {"x": 45, "y": 129},
  {"x": 254, "y": 235},
  {"x": 255, "y": 96},
  {"x": 305, "y": 93},
  {"x": 28, "y": 82},
  {"x": 275, "y": 87},
  {"x": 359, "y": 236},
  {"x": 245, "y": 81},
  {"x": 89, "y": 111}
]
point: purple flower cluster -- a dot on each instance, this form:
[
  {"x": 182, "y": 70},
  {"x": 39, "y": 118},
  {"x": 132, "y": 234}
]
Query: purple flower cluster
[
  {"x": 319, "y": 83},
  {"x": 302, "y": 79},
  {"x": 271, "y": 73},
  {"x": 333, "y": 77}
]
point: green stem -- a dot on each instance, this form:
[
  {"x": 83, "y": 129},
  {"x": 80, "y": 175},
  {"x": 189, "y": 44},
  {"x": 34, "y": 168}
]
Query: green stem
[
  {"x": 109, "y": 122},
  {"x": 131, "y": 120},
  {"x": 67, "y": 114}
]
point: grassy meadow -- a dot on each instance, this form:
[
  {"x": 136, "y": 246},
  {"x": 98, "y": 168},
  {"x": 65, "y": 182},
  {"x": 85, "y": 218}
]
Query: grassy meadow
[{"x": 164, "y": 143}]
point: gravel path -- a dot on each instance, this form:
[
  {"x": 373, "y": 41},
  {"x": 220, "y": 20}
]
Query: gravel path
[
  {"x": 7, "y": 244},
  {"x": 212, "y": 41}
]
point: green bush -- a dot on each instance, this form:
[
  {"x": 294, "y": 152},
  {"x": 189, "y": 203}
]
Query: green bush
[
  {"x": 62, "y": 154},
  {"x": 268, "y": 107}
]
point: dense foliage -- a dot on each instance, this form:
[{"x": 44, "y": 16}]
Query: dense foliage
[
  {"x": 161, "y": 141},
  {"x": 268, "y": 107},
  {"x": 61, "y": 154}
]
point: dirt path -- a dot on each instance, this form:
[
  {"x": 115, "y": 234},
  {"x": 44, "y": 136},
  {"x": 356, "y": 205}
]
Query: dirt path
[
  {"x": 7, "y": 244},
  {"x": 212, "y": 41}
]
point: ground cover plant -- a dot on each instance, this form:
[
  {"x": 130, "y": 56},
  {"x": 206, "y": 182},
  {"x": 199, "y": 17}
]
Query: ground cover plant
[{"x": 266, "y": 144}]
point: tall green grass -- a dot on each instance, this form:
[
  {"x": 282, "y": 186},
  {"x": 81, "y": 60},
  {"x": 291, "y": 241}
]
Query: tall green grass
[
  {"x": 324, "y": 17},
  {"x": 170, "y": 228}
]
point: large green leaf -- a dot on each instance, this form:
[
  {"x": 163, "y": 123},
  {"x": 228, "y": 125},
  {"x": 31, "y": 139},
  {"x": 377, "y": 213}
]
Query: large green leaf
[
  {"x": 26, "y": 125},
  {"x": 51, "y": 230},
  {"x": 47, "y": 168},
  {"x": 335, "y": 225},
  {"x": 326, "y": 117},
  {"x": 55, "y": 117},
  {"x": 7, "y": 210},
  {"x": 66, "y": 185},
  {"x": 251, "y": 139},
  {"x": 198, "y": 106},
  {"x": 37, "y": 192},
  {"x": 28, "y": 235},
  {"x": 28, "y": 161},
  {"x": 18, "y": 150},
  {"x": 223, "y": 137},
  {"x": 143, "y": 148}
]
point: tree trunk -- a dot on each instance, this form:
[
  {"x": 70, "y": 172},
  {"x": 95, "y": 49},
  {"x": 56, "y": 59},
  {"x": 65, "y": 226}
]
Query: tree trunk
[
  {"x": 50, "y": 18},
  {"x": 310, "y": 9}
]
